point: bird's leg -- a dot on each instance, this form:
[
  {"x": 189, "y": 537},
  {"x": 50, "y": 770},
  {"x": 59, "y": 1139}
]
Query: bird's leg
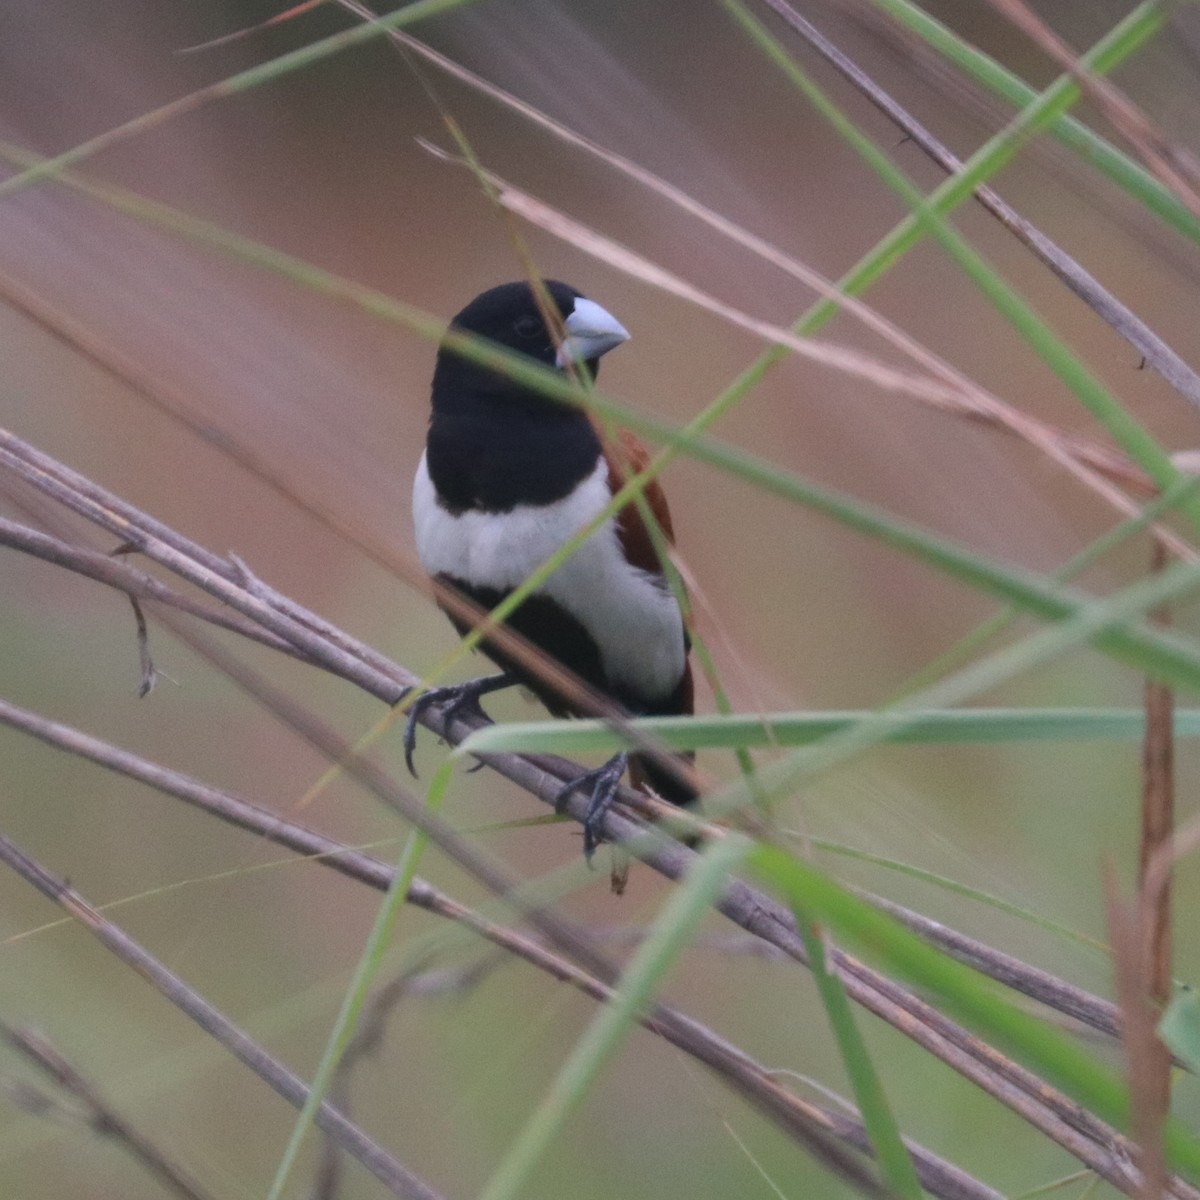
[
  {"x": 604, "y": 782},
  {"x": 452, "y": 700}
]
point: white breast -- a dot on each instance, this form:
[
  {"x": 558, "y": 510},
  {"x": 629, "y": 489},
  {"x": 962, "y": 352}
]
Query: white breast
[{"x": 631, "y": 616}]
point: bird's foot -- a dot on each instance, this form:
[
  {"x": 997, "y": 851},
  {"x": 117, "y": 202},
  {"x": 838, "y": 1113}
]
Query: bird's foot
[
  {"x": 603, "y": 782},
  {"x": 452, "y": 700}
]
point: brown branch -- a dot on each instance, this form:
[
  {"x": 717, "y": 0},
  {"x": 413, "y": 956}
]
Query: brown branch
[
  {"x": 1158, "y": 824},
  {"x": 311, "y": 637},
  {"x": 1147, "y": 978},
  {"x": 886, "y": 999},
  {"x": 1138, "y": 1038},
  {"x": 1048, "y": 1110},
  {"x": 308, "y": 636},
  {"x": 101, "y": 1117}
]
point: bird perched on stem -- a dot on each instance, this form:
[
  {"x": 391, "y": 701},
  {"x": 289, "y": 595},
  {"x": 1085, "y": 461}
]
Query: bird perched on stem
[{"x": 507, "y": 477}]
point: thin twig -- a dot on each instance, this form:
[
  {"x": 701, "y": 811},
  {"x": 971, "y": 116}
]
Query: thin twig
[
  {"x": 369, "y": 870},
  {"x": 134, "y": 583},
  {"x": 145, "y": 659},
  {"x": 598, "y": 975},
  {"x": 100, "y": 1116},
  {"x": 378, "y": 1161},
  {"x": 882, "y": 996},
  {"x": 366, "y": 1043},
  {"x": 1047, "y": 989},
  {"x": 229, "y": 580}
]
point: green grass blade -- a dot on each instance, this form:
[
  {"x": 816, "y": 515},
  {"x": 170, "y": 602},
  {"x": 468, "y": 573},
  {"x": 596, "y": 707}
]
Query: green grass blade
[
  {"x": 955, "y": 887},
  {"x": 778, "y": 779},
  {"x": 1153, "y": 651},
  {"x": 700, "y": 650},
  {"x": 1180, "y": 1027},
  {"x": 679, "y": 918},
  {"x": 978, "y": 726}
]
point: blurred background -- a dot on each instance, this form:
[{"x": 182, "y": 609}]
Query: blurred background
[{"x": 324, "y": 164}]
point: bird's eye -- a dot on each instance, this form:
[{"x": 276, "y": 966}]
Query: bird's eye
[{"x": 529, "y": 327}]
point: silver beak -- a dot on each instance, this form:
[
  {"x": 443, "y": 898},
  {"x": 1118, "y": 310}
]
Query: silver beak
[{"x": 591, "y": 332}]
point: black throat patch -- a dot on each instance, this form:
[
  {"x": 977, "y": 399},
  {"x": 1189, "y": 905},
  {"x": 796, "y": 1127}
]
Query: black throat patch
[{"x": 493, "y": 451}]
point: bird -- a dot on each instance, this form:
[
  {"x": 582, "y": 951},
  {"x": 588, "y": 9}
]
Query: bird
[{"x": 508, "y": 475}]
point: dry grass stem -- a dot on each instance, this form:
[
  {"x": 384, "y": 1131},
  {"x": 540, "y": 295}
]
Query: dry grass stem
[{"x": 100, "y": 1116}]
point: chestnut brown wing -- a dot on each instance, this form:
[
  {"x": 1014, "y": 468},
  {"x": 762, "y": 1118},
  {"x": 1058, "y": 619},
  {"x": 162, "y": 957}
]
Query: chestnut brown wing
[{"x": 626, "y": 456}]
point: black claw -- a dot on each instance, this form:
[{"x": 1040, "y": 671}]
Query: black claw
[
  {"x": 604, "y": 783},
  {"x": 410, "y": 730},
  {"x": 452, "y": 700}
]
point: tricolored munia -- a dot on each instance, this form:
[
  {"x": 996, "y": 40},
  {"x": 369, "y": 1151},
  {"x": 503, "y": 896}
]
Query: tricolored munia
[{"x": 509, "y": 475}]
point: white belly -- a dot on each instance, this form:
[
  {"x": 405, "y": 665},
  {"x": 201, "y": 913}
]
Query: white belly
[{"x": 631, "y": 616}]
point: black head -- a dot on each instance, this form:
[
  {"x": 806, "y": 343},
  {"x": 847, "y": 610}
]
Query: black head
[
  {"x": 494, "y": 442},
  {"x": 509, "y": 315}
]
